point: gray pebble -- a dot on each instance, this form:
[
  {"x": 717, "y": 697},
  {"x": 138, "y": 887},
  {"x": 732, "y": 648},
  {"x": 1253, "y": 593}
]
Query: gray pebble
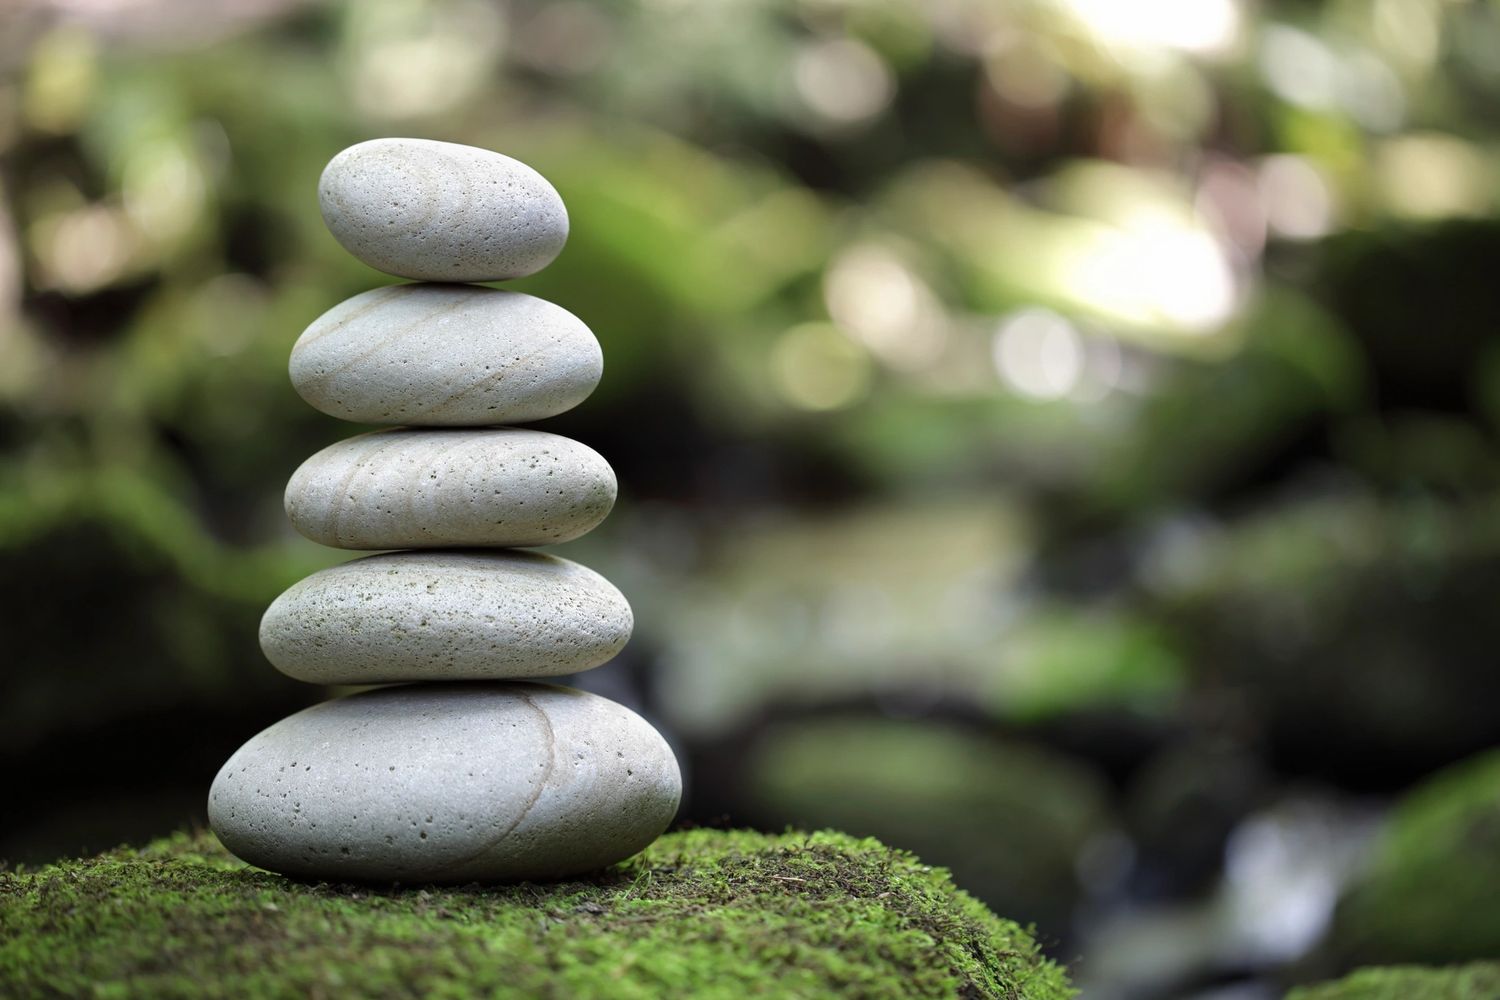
[
  {"x": 448, "y": 783},
  {"x": 445, "y": 616},
  {"x": 411, "y": 489},
  {"x": 445, "y": 355},
  {"x": 440, "y": 211}
]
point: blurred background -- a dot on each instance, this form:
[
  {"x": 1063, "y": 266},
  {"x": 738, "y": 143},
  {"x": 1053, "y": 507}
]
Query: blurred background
[{"x": 1058, "y": 437}]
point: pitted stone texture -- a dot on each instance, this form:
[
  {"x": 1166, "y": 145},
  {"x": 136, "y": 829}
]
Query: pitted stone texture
[
  {"x": 416, "y": 489},
  {"x": 445, "y": 355},
  {"x": 445, "y": 616},
  {"x": 448, "y": 783},
  {"x": 440, "y": 211}
]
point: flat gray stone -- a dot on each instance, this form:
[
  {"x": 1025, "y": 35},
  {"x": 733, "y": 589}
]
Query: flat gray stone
[
  {"x": 445, "y": 355},
  {"x": 445, "y": 616},
  {"x": 422, "y": 489},
  {"x": 447, "y": 783},
  {"x": 440, "y": 211}
]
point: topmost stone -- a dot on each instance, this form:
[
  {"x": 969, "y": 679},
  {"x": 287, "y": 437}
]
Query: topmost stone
[{"x": 439, "y": 211}]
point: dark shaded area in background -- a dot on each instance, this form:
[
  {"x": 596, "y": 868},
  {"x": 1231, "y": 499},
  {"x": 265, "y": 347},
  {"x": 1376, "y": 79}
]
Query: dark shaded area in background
[{"x": 1055, "y": 440}]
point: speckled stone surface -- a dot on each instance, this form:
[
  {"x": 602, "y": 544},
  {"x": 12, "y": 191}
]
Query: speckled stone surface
[
  {"x": 445, "y": 355},
  {"x": 447, "y": 783},
  {"x": 408, "y": 489},
  {"x": 436, "y": 616},
  {"x": 440, "y": 211}
]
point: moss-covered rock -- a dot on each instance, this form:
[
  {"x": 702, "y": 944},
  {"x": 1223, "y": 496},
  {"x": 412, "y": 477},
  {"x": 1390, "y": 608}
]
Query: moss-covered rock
[
  {"x": 1432, "y": 891},
  {"x": 1480, "y": 981},
  {"x": 701, "y": 913},
  {"x": 1305, "y": 610},
  {"x": 1009, "y": 820}
]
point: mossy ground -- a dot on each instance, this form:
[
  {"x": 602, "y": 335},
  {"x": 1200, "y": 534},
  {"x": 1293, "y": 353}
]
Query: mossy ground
[
  {"x": 701, "y": 913},
  {"x": 1480, "y": 981}
]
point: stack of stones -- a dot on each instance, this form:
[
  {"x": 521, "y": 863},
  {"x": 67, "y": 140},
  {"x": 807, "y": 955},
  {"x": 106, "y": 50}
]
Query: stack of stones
[{"x": 467, "y": 770}]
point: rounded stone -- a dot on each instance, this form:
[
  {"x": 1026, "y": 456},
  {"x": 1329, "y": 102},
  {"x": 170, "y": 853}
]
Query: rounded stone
[
  {"x": 445, "y": 355},
  {"x": 445, "y": 616},
  {"x": 447, "y": 783},
  {"x": 423, "y": 489},
  {"x": 440, "y": 211}
]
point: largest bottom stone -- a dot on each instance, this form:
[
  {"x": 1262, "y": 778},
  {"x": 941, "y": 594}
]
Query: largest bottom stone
[{"x": 448, "y": 783}]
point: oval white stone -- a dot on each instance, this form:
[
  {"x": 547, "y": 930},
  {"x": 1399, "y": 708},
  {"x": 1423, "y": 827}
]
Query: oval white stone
[
  {"x": 447, "y": 783},
  {"x": 445, "y": 355},
  {"x": 440, "y": 211},
  {"x": 445, "y": 616},
  {"x": 416, "y": 489}
]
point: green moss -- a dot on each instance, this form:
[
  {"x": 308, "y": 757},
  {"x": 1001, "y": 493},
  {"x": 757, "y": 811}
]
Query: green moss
[
  {"x": 1011, "y": 839},
  {"x": 1466, "y": 982},
  {"x": 701, "y": 913},
  {"x": 1431, "y": 892}
]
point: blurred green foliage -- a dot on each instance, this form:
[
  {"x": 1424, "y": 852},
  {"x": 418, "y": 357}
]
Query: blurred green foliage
[{"x": 1116, "y": 377}]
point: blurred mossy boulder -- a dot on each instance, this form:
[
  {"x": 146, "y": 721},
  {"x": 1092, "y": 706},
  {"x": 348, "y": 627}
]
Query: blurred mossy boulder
[
  {"x": 703, "y": 913},
  {"x": 1432, "y": 890},
  {"x": 1295, "y": 367},
  {"x": 128, "y": 604},
  {"x": 134, "y": 666},
  {"x": 1480, "y": 981},
  {"x": 1354, "y": 629},
  {"x": 1010, "y": 821}
]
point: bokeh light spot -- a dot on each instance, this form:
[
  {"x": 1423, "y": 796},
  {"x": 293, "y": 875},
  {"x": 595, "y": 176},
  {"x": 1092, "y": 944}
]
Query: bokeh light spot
[
  {"x": 1039, "y": 354},
  {"x": 815, "y": 367},
  {"x": 875, "y": 297},
  {"x": 842, "y": 81},
  {"x": 1297, "y": 200},
  {"x": 1201, "y": 26}
]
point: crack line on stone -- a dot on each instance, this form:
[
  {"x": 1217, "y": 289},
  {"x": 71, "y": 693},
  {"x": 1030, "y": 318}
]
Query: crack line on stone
[{"x": 531, "y": 800}]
